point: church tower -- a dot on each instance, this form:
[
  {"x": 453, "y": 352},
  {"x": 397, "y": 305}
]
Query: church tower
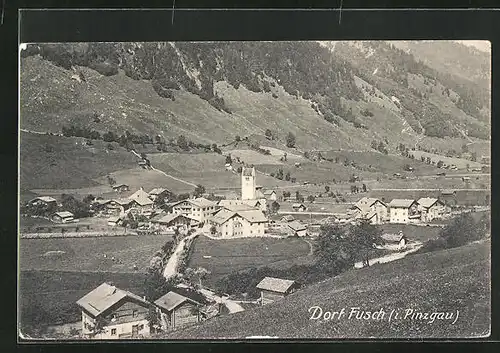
[{"x": 248, "y": 183}]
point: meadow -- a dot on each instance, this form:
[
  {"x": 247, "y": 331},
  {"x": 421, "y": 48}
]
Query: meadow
[
  {"x": 444, "y": 281},
  {"x": 236, "y": 254},
  {"x": 87, "y": 254}
]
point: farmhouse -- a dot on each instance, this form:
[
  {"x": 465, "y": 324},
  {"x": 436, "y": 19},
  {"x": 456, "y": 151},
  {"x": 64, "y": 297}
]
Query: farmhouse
[
  {"x": 114, "y": 221},
  {"x": 173, "y": 220},
  {"x": 270, "y": 195},
  {"x": 299, "y": 207},
  {"x": 394, "y": 241},
  {"x": 245, "y": 223},
  {"x": 177, "y": 311},
  {"x": 121, "y": 187},
  {"x": 120, "y": 205},
  {"x": 231, "y": 204},
  {"x": 199, "y": 208},
  {"x": 369, "y": 216},
  {"x": 112, "y": 313},
  {"x": 45, "y": 201},
  {"x": 272, "y": 289},
  {"x": 159, "y": 192},
  {"x": 432, "y": 208},
  {"x": 295, "y": 228},
  {"x": 367, "y": 205},
  {"x": 403, "y": 210},
  {"x": 63, "y": 217},
  {"x": 287, "y": 218},
  {"x": 141, "y": 197}
]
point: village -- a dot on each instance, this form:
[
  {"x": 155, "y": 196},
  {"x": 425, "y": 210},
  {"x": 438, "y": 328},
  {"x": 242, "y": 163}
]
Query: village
[{"x": 109, "y": 312}]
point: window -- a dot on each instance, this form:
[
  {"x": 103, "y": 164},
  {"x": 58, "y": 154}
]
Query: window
[
  {"x": 141, "y": 327},
  {"x": 134, "y": 313},
  {"x": 113, "y": 331}
]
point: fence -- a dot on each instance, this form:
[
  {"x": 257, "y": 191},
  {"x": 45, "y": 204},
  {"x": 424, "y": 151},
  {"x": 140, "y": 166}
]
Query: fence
[{"x": 77, "y": 235}]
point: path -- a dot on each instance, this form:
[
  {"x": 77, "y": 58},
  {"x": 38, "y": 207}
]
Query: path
[
  {"x": 173, "y": 262},
  {"x": 167, "y": 175},
  {"x": 391, "y": 257},
  {"x": 311, "y": 248},
  {"x": 231, "y": 305}
]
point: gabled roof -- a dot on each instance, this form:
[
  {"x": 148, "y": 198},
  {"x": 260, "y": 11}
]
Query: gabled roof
[
  {"x": 116, "y": 186},
  {"x": 198, "y": 202},
  {"x": 448, "y": 192},
  {"x": 123, "y": 201},
  {"x": 297, "y": 226},
  {"x": 297, "y": 205},
  {"x": 275, "y": 284},
  {"x": 44, "y": 199},
  {"x": 102, "y": 202},
  {"x": 141, "y": 197},
  {"x": 222, "y": 216},
  {"x": 158, "y": 191},
  {"x": 401, "y": 203},
  {"x": 367, "y": 202},
  {"x": 392, "y": 238},
  {"x": 428, "y": 201},
  {"x": 253, "y": 216},
  {"x": 64, "y": 214},
  {"x": 105, "y": 296},
  {"x": 170, "y": 217},
  {"x": 114, "y": 219},
  {"x": 269, "y": 192},
  {"x": 172, "y": 300},
  {"x": 288, "y": 218}
]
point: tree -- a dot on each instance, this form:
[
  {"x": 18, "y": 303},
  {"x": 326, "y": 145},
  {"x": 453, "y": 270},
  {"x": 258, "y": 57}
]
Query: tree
[
  {"x": 310, "y": 198},
  {"x": 229, "y": 160},
  {"x": 182, "y": 142},
  {"x": 474, "y": 156},
  {"x": 213, "y": 230},
  {"x": 465, "y": 148},
  {"x": 78, "y": 208},
  {"x": 366, "y": 236},
  {"x": 279, "y": 174},
  {"x": 364, "y": 187},
  {"x": 275, "y": 207},
  {"x": 327, "y": 188},
  {"x": 88, "y": 199},
  {"x": 195, "y": 276},
  {"x": 290, "y": 140},
  {"x": 374, "y": 144},
  {"x": 111, "y": 180},
  {"x": 428, "y": 160},
  {"x": 199, "y": 190},
  {"x": 287, "y": 176},
  {"x": 334, "y": 252},
  {"x": 237, "y": 138},
  {"x": 439, "y": 164},
  {"x": 286, "y": 194},
  {"x": 269, "y": 134}
]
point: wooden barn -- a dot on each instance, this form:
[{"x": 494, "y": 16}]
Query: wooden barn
[
  {"x": 177, "y": 311},
  {"x": 272, "y": 289}
]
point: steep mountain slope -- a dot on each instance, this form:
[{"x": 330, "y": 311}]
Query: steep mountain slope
[
  {"x": 432, "y": 282},
  {"x": 211, "y": 92}
]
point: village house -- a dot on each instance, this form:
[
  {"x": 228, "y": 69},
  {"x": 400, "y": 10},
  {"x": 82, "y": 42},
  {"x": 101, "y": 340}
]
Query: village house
[
  {"x": 287, "y": 218},
  {"x": 120, "y": 206},
  {"x": 114, "y": 221},
  {"x": 449, "y": 197},
  {"x": 367, "y": 205},
  {"x": 299, "y": 207},
  {"x": 238, "y": 223},
  {"x": 259, "y": 193},
  {"x": 200, "y": 208},
  {"x": 45, "y": 201},
  {"x": 295, "y": 228},
  {"x": 432, "y": 208},
  {"x": 177, "y": 311},
  {"x": 370, "y": 216},
  {"x": 272, "y": 289},
  {"x": 142, "y": 200},
  {"x": 121, "y": 187},
  {"x": 159, "y": 192},
  {"x": 63, "y": 217},
  {"x": 270, "y": 195},
  {"x": 394, "y": 241},
  {"x": 403, "y": 211},
  {"x": 257, "y": 204},
  {"x": 170, "y": 221},
  {"x": 112, "y": 313}
]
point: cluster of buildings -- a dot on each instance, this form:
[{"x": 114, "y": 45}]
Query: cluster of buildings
[{"x": 423, "y": 210}]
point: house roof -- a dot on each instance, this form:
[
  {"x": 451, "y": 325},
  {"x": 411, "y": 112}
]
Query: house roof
[
  {"x": 427, "y": 201},
  {"x": 275, "y": 284},
  {"x": 222, "y": 216},
  {"x": 247, "y": 171},
  {"x": 116, "y": 186},
  {"x": 269, "y": 192},
  {"x": 105, "y": 296},
  {"x": 392, "y": 238},
  {"x": 253, "y": 216},
  {"x": 123, "y": 201},
  {"x": 167, "y": 218},
  {"x": 366, "y": 215},
  {"x": 102, "y": 202},
  {"x": 172, "y": 300},
  {"x": 114, "y": 219},
  {"x": 157, "y": 191},
  {"x": 288, "y": 218},
  {"x": 297, "y": 205},
  {"x": 45, "y": 199},
  {"x": 198, "y": 202},
  {"x": 239, "y": 207},
  {"x": 367, "y": 202},
  {"x": 141, "y": 197},
  {"x": 448, "y": 192},
  {"x": 401, "y": 203},
  {"x": 64, "y": 214},
  {"x": 296, "y": 226}
]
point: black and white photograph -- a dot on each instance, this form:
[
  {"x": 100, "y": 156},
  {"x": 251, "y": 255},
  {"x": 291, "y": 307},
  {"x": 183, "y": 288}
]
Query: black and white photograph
[{"x": 254, "y": 189}]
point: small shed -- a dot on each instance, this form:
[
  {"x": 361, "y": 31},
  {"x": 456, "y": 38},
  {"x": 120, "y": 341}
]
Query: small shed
[
  {"x": 121, "y": 187},
  {"x": 177, "y": 311},
  {"x": 114, "y": 221},
  {"x": 395, "y": 241},
  {"x": 296, "y": 228},
  {"x": 287, "y": 218},
  {"x": 272, "y": 289},
  {"x": 300, "y": 207},
  {"x": 63, "y": 217}
]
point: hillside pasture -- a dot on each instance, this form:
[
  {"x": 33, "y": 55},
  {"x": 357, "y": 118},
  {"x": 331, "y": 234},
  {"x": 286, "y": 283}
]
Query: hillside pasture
[
  {"x": 253, "y": 157},
  {"x": 461, "y": 163},
  {"x": 54, "y": 162},
  {"x": 444, "y": 281},
  {"x": 230, "y": 255},
  {"x": 87, "y": 254}
]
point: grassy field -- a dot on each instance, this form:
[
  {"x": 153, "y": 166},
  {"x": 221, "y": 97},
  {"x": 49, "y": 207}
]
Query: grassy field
[
  {"x": 87, "y": 254},
  {"x": 53, "y": 162},
  {"x": 446, "y": 281},
  {"x": 49, "y": 297},
  {"x": 237, "y": 254},
  {"x": 459, "y": 162}
]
